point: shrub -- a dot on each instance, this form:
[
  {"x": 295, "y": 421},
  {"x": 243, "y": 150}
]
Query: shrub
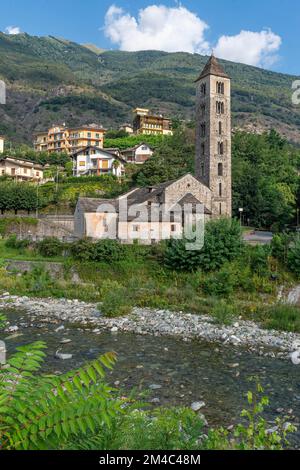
[
  {"x": 83, "y": 250},
  {"x": 105, "y": 251},
  {"x": 50, "y": 247},
  {"x": 116, "y": 301},
  {"x": 282, "y": 317},
  {"x": 222, "y": 243},
  {"x": 108, "y": 251},
  {"x": 280, "y": 246},
  {"x": 221, "y": 283},
  {"x": 259, "y": 260},
  {"x": 13, "y": 242},
  {"x": 294, "y": 258},
  {"x": 223, "y": 312},
  {"x": 38, "y": 280},
  {"x": 44, "y": 412}
]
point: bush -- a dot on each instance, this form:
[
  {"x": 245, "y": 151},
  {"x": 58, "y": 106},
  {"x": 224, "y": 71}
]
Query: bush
[
  {"x": 294, "y": 258},
  {"x": 13, "y": 242},
  {"x": 105, "y": 251},
  {"x": 221, "y": 283},
  {"x": 259, "y": 260},
  {"x": 280, "y": 246},
  {"x": 108, "y": 251},
  {"x": 223, "y": 312},
  {"x": 116, "y": 301},
  {"x": 223, "y": 242},
  {"x": 282, "y": 317},
  {"x": 50, "y": 247},
  {"x": 83, "y": 250}
]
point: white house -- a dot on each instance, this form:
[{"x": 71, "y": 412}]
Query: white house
[
  {"x": 138, "y": 154},
  {"x": 20, "y": 169},
  {"x": 96, "y": 161},
  {"x": 1, "y": 144}
]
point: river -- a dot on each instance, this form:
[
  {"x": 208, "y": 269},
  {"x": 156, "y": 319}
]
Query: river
[{"x": 174, "y": 372}]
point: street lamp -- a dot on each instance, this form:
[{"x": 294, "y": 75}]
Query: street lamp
[{"x": 241, "y": 210}]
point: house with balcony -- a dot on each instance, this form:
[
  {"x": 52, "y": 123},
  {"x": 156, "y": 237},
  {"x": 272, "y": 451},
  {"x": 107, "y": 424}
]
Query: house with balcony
[
  {"x": 21, "y": 169},
  {"x": 138, "y": 154},
  {"x": 95, "y": 161},
  {"x": 69, "y": 139},
  {"x": 151, "y": 124}
]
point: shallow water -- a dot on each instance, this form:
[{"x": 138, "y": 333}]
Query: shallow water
[{"x": 186, "y": 372}]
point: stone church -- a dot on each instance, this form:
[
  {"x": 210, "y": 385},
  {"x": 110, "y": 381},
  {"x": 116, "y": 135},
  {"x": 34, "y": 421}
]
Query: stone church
[{"x": 210, "y": 187}]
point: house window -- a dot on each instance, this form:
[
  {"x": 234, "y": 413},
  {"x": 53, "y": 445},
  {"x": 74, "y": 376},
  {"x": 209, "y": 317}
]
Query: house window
[
  {"x": 220, "y": 128},
  {"x": 203, "y": 149},
  {"x": 220, "y": 190},
  {"x": 25, "y": 171},
  {"x": 220, "y": 169},
  {"x": 220, "y": 209},
  {"x": 13, "y": 171},
  {"x": 173, "y": 228},
  {"x": 136, "y": 228},
  {"x": 89, "y": 134},
  {"x": 203, "y": 89},
  {"x": 37, "y": 173}
]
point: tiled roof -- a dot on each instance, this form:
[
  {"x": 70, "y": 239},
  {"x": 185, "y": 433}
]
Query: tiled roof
[{"x": 213, "y": 67}]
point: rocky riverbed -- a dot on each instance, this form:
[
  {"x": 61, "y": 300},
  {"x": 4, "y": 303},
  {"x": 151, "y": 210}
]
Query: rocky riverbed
[{"x": 144, "y": 321}]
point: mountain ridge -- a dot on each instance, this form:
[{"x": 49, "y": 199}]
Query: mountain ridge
[{"x": 51, "y": 80}]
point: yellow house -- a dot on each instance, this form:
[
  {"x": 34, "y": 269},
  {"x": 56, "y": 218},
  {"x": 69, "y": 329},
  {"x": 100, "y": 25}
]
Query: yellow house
[
  {"x": 150, "y": 124},
  {"x": 70, "y": 140}
]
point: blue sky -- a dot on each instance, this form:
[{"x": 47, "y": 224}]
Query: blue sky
[{"x": 272, "y": 38}]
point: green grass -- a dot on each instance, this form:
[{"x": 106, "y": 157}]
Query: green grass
[
  {"x": 24, "y": 254},
  {"x": 282, "y": 317},
  {"x": 141, "y": 280}
]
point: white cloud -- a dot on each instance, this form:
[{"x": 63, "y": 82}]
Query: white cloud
[
  {"x": 157, "y": 27},
  {"x": 253, "y": 48},
  {"x": 13, "y": 30}
]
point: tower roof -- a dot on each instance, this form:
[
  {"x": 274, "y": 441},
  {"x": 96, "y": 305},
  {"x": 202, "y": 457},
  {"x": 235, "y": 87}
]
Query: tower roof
[{"x": 213, "y": 67}]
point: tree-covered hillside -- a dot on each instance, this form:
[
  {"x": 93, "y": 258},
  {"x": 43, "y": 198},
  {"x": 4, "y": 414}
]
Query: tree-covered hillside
[{"x": 51, "y": 80}]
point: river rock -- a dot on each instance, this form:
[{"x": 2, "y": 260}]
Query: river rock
[
  {"x": 60, "y": 328},
  {"x": 155, "y": 387},
  {"x": 63, "y": 357},
  {"x": 197, "y": 405}
]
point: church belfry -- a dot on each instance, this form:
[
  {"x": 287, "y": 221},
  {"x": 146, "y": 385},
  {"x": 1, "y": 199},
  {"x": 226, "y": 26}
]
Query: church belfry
[{"x": 213, "y": 136}]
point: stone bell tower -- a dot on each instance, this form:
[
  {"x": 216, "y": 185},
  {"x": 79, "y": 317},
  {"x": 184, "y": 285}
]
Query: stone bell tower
[{"x": 213, "y": 136}]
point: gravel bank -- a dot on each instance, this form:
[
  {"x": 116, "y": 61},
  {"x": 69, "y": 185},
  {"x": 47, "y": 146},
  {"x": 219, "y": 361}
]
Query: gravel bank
[{"x": 155, "y": 322}]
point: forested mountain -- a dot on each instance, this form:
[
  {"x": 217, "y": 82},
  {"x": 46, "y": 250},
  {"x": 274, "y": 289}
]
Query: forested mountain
[{"x": 51, "y": 80}]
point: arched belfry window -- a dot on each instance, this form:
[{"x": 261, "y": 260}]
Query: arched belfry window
[
  {"x": 220, "y": 169},
  {"x": 203, "y": 89},
  {"x": 220, "y": 107},
  {"x": 220, "y": 88}
]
